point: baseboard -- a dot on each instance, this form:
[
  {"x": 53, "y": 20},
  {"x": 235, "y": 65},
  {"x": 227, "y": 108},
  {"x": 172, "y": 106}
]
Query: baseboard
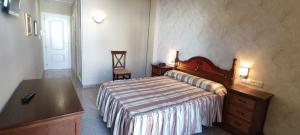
[{"x": 91, "y": 86}]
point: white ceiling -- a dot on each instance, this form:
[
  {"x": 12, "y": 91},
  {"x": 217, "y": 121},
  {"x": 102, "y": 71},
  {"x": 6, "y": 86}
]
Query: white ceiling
[{"x": 64, "y": 2}]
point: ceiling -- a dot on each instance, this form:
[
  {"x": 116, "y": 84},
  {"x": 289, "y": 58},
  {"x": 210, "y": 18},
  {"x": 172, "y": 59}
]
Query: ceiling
[{"x": 64, "y": 2}]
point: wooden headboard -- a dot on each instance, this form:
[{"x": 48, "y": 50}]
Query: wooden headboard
[{"x": 203, "y": 67}]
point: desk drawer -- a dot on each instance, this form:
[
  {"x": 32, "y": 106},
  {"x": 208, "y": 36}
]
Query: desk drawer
[
  {"x": 238, "y": 124},
  {"x": 242, "y": 101},
  {"x": 240, "y": 112}
]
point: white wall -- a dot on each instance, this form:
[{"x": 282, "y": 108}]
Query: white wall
[
  {"x": 20, "y": 56},
  {"x": 76, "y": 45},
  {"x": 56, "y": 7},
  {"x": 264, "y": 34},
  {"x": 125, "y": 28},
  {"x": 153, "y": 36},
  {"x": 73, "y": 38}
]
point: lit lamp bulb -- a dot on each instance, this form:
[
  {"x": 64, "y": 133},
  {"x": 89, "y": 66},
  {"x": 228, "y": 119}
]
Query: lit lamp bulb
[{"x": 244, "y": 72}]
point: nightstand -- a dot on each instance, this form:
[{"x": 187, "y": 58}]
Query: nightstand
[
  {"x": 160, "y": 70},
  {"x": 245, "y": 110}
]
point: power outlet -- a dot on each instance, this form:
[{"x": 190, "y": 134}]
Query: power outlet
[{"x": 254, "y": 83}]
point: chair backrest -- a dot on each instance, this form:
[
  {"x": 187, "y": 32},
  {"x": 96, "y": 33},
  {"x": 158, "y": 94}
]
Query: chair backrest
[{"x": 118, "y": 59}]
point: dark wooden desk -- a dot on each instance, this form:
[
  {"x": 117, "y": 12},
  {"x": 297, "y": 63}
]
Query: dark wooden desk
[{"x": 55, "y": 110}]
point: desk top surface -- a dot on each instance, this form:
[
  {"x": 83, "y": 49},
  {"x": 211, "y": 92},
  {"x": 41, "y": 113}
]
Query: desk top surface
[{"x": 54, "y": 98}]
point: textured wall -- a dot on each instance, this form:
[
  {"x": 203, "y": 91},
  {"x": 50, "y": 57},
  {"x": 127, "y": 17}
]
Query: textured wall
[
  {"x": 262, "y": 33},
  {"x": 20, "y": 56},
  {"x": 124, "y": 28}
]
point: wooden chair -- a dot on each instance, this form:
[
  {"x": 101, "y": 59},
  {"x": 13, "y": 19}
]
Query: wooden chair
[{"x": 118, "y": 65}]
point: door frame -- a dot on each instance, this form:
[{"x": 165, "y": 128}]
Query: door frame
[{"x": 44, "y": 15}]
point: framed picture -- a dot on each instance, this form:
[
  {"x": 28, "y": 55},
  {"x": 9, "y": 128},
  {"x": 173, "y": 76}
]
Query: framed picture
[
  {"x": 28, "y": 24},
  {"x": 35, "y": 28},
  {"x": 11, "y": 7}
]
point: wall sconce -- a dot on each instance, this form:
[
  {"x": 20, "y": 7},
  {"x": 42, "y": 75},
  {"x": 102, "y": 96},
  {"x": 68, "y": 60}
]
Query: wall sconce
[
  {"x": 99, "y": 17},
  {"x": 244, "y": 72}
]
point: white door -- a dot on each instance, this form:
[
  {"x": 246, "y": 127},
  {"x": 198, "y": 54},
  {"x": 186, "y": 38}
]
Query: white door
[{"x": 57, "y": 53}]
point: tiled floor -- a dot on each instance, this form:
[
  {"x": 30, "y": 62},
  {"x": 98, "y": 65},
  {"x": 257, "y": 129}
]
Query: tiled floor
[{"x": 91, "y": 122}]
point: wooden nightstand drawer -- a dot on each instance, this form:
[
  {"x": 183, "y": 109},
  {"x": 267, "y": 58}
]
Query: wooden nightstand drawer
[
  {"x": 156, "y": 71},
  {"x": 245, "y": 110},
  {"x": 240, "y": 112},
  {"x": 242, "y": 101},
  {"x": 238, "y": 124},
  {"x": 160, "y": 70}
]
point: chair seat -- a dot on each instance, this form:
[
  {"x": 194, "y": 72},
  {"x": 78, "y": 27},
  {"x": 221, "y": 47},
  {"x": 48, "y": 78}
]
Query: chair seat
[{"x": 121, "y": 71}]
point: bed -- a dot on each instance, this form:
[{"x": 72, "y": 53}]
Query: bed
[{"x": 180, "y": 102}]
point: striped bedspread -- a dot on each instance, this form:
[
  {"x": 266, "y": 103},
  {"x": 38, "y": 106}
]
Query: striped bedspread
[{"x": 157, "y": 106}]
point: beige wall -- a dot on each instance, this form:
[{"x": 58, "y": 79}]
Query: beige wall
[
  {"x": 56, "y": 7},
  {"x": 20, "y": 56},
  {"x": 125, "y": 28},
  {"x": 263, "y": 33}
]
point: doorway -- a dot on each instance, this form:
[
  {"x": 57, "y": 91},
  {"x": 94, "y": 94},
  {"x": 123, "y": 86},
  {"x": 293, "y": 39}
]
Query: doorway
[{"x": 56, "y": 41}]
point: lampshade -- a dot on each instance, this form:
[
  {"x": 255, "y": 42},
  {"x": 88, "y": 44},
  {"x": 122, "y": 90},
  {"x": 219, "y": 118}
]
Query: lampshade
[
  {"x": 243, "y": 72},
  {"x": 171, "y": 57}
]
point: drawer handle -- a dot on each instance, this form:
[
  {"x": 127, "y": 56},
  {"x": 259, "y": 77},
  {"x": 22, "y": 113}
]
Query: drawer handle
[
  {"x": 240, "y": 100},
  {"x": 241, "y": 113}
]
